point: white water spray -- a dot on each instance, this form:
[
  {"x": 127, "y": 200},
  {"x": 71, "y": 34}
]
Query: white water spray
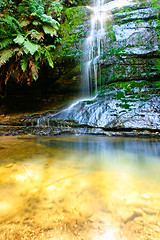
[{"x": 94, "y": 48}]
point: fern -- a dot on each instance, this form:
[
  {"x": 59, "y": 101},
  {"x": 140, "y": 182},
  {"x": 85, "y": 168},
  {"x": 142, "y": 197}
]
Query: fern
[
  {"x": 5, "y": 43},
  {"x": 12, "y": 23},
  {"x": 49, "y": 30},
  {"x": 5, "y": 55},
  {"x": 19, "y": 39},
  {"x": 35, "y": 35},
  {"x": 49, "y": 58},
  {"x": 30, "y": 47},
  {"x": 28, "y": 28},
  {"x": 38, "y": 55},
  {"x": 49, "y": 20},
  {"x": 3, "y": 33},
  {"x": 25, "y": 23},
  {"x": 24, "y": 63}
]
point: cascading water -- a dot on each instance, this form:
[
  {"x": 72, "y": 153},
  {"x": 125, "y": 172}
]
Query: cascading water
[
  {"x": 94, "y": 48},
  {"x": 95, "y": 42}
]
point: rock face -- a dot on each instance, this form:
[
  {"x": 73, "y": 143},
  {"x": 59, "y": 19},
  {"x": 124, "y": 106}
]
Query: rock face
[
  {"x": 107, "y": 112},
  {"x": 66, "y": 74},
  {"x": 131, "y": 47}
]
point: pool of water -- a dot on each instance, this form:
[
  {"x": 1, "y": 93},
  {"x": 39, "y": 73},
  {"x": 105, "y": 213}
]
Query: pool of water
[{"x": 79, "y": 187}]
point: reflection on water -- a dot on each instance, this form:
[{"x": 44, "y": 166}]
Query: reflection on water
[{"x": 88, "y": 188}]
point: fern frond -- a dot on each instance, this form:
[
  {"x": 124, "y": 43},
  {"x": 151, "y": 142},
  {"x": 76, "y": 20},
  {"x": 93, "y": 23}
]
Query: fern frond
[
  {"x": 49, "y": 30},
  {"x": 19, "y": 39},
  {"x": 5, "y": 43},
  {"x": 24, "y": 63},
  {"x": 35, "y": 35},
  {"x": 2, "y": 33},
  {"x": 49, "y": 58},
  {"x": 49, "y": 47},
  {"x": 5, "y": 55},
  {"x": 38, "y": 56},
  {"x": 30, "y": 47},
  {"x": 49, "y": 20},
  {"x": 12, "y": 23},
  {"x": 25, "y": 23}
]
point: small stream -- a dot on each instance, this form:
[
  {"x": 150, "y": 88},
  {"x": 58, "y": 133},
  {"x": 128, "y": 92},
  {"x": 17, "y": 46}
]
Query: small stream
[{"x": 79, "y": 187}]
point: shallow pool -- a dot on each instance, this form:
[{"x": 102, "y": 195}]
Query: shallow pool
[{"x": 78, "y": 187}]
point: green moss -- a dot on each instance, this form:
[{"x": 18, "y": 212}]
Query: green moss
[
  {"x": 155, "y": 4},
  {"x": 125, "y": 105},
  {"x": 74, "y": 16},
  {"x": 130, "y": 84},
  {"x": 156, "y": 84}
]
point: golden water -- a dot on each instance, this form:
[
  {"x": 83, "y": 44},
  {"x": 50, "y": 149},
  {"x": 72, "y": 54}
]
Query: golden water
[{"x": 88, "y": 188}]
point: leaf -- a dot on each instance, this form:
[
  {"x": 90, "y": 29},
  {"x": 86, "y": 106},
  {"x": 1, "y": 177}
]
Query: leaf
[
  {"x": 30, "y": 47},
  {"x": 49, "y": 30},
  {"x": 25, "y": 23},
  {"x": 19, "y": 39},
  {"x": 49, "y": 20},
  {"x": 36, "y": 23},
  {"x": 5, "y": 43},
  {"x": 49, "y": 47},
  {"x": 49, "y": 58},
  {"x": 37, "y": 56},
  {"x": 36, "y": 35},
  {"x": 24, "y": 63},
  {"x": 11, "y": 23},
  {"x": 5, "y": 55}
]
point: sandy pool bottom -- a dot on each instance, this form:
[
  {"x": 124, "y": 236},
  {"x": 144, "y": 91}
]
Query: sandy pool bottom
[{"x": 45, "y": 198}]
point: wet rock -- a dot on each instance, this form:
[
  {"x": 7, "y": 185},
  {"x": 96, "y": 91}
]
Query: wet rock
[
  {"x": 111, "y": 114},
  {"x": 131, "y": 47}
]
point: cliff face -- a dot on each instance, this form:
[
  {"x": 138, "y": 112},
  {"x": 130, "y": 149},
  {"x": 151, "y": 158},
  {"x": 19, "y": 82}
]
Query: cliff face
[{"x": 131, "y": 47}]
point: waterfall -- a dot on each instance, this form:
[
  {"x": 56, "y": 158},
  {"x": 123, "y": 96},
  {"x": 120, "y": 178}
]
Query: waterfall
[
  {"x": 95, "y": 111},
  {"x": 95, "y": 42},
  {"x": 94, "y": 48}
]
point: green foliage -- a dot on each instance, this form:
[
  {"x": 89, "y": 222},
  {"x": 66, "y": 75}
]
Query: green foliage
[
  {"x": 5, "y": 55},
  {"x": 26, "y": 8},
  {"x": 55, "y": 9},
  {"x": 73, "y": 17},
  {"x": 49, "y": 58},
  {"x": 155, "y": 4},
  {"x": 28, "y": 37},
  {"x": 73, "y": 3},
  {"x": 30, "y": 47},
  {"x": 24, "y": 63},
  {"x": 5, "y": 43}
]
